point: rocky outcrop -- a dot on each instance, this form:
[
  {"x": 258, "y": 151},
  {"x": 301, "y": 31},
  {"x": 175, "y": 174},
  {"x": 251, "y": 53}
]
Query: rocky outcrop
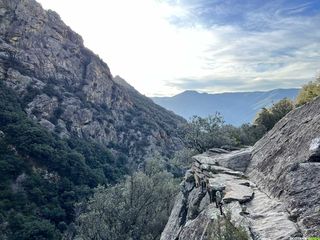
[
  {"x": 71, "y": 91},
  {"x": 271, "y": 189},
  {"x": 263, "y": 217},
  {"x": 285, "y": 163},
  {"x": 236, "y": 160}
]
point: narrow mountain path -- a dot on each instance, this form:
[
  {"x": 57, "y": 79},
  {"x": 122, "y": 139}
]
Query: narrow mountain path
[
  {"x": 269, "y": 219},
  {"x": 263, "y": 217}
]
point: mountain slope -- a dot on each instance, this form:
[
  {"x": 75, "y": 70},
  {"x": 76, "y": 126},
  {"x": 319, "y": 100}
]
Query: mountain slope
[
  {"x": 236, "y": 108},
  {"x": 66, "y": 125},
  {"x": 42, "y": 176},
  {"x": 70, "y": 91}
]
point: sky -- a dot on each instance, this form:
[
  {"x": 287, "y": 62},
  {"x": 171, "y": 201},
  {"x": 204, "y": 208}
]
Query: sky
[{"x": 164, "y": 47}]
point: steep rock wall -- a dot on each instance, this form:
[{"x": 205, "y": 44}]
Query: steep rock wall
[
  {"x": 70, "y": 90},
  {"x": 286, "y": 164}
]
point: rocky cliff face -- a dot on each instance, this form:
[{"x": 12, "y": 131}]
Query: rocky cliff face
[
  {"x": 70, "y": 90},
  {"x": 286, "y": 165},
  {"x": 271, "y": 190}
]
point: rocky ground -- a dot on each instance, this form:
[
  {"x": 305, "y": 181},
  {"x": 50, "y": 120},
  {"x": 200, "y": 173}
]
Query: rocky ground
[
  {"x": 286, "y": 165},
  {"x": 262, "y": 216},
  {"x": 271, "y": 189}
]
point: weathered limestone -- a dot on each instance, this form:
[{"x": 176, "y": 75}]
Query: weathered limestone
[
  {"x": 278, "y": 193},
  {"x": 269, "y": 219},
  {"x": 240, "y": 193}
]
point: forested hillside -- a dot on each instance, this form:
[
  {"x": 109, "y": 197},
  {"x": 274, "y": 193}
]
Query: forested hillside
[
  {"x": 43, "y": 176},
  {"x": 66, "y": 125}
]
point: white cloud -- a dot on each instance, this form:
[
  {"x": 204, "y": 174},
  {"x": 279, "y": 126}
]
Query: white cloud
[
  {"x": 136, "y": 39},
  {"x": 139, "y": 43}
]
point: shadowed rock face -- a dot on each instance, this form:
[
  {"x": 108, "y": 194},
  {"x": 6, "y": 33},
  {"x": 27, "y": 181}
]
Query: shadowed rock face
[
  {"x": 70, "y": 90},
  {"x": 285, "y": 163}
]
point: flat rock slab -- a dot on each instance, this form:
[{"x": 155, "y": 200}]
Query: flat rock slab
[
  {"x": 269, "y": 219},
  {"x": 263, "y": 217},
  {"x": 235, "y": 160},
  {"x": 217, "y": 151},
  {"x": 237, "y": 192},
  {"x": 213, "y": 170},
  {"x": 204, "y": 159}
]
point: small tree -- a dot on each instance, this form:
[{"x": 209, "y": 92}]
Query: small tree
[
  {"x": 250, "y": 134},
  {"x": 204, "y": 133},
  {"x": 281, "y": 108},
  {"x": 264, "y": 119},
  {"x": 136, "y": 208}
]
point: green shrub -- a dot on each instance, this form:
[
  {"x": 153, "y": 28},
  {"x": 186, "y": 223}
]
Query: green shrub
[
  {"x": 202, "y": 134},
  {"x": 30, "y": 95},
  {"x": 268, "y": 117},
  {"x": 51, "y": 91},
  {"x": 136, "y": 208},
  {"x": 308, "y": 92}
]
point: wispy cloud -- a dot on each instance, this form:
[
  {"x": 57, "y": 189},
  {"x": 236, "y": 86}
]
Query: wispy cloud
[
  {"x": 163, "y": 47},
  {"x": 275, "y": 44}
]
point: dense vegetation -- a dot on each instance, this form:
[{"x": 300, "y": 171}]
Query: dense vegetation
[
  {"x": 146, "y": 116},
  {"x": 136, "y": 208},
  {"x": 309, "y": 92},
  {"x": 43, "y": 176},
  {"x": 202, "y": 134},
  {"x": 268, "y": 117}
]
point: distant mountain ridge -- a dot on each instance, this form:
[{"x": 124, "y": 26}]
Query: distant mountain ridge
[{"x": 236, "y": 107}]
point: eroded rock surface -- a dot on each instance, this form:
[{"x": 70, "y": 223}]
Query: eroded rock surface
[
  {"x": 285, "y": 163},
  {"x": 262, "y": 216},
  {"x": 237, "y": 160},
  {"x": 63, "y": 83}
]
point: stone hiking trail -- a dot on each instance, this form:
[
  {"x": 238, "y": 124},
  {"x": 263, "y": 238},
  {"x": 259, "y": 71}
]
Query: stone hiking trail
[
  {"x": 274, "y": 184},
  {"x": 264, "y": 217}
]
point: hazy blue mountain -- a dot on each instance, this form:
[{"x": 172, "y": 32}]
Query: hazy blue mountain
[{"x": 236, "y": 107}]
